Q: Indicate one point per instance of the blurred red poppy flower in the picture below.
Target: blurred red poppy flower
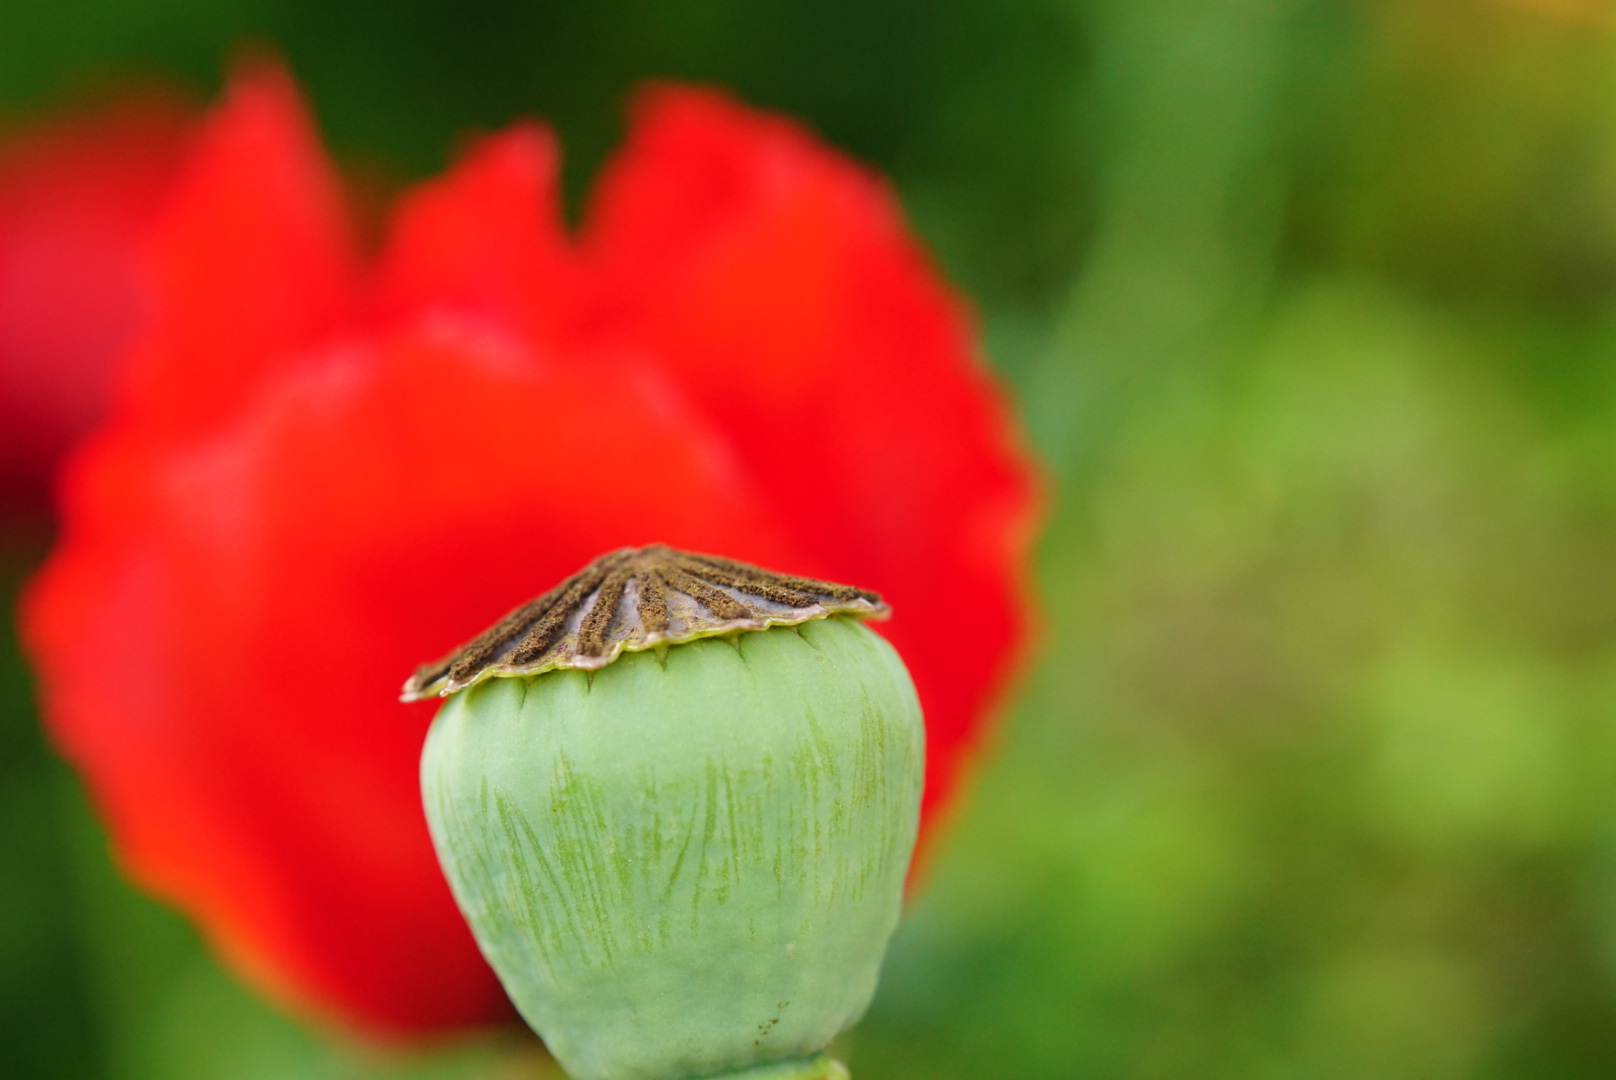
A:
(78, 197)
(322, 470)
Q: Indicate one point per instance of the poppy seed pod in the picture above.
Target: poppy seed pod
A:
(676, 798)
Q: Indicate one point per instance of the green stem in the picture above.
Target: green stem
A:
(818, 1067)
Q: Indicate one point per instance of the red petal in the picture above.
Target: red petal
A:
(77, 199)
(222, 638)
(292, 508)
(775, 281)
(486, 240)
(252, 259)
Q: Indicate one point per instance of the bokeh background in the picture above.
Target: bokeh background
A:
(1309, 307)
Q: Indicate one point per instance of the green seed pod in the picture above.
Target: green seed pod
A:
(676, 798)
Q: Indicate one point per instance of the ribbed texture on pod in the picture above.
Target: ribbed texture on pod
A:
(687, 863)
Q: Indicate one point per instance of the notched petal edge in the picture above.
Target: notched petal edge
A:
(634, 599)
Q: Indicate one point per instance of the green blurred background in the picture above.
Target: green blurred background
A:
(1310, 309)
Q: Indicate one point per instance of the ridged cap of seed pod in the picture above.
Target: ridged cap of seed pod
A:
(634, 599)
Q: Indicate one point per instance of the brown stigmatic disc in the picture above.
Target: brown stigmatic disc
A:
(634, 599)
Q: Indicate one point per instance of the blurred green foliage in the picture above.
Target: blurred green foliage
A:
(1310, 307)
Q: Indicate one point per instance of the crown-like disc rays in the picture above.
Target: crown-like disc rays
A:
(633, 599)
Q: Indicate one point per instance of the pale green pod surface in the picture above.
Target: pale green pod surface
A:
(688, 861)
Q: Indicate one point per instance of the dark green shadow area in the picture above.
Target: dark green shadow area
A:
(48, 1021)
